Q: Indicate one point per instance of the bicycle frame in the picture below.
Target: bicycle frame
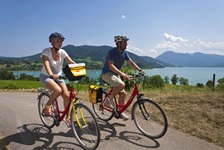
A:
(127, 104)
(72, 99)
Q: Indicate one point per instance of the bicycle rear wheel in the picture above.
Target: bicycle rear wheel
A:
(149, 118)
(48, 121)
(85, 127)
(102, 112)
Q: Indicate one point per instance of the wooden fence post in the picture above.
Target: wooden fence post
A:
(213, 80)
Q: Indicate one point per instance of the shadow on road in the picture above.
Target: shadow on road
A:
(29, 134)
(132, 137)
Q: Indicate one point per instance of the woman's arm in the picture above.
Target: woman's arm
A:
(69, 60)
(46, 63)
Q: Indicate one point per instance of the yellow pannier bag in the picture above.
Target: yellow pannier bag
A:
(75, 71)
(95, 94)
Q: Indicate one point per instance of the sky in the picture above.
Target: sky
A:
(153, 26)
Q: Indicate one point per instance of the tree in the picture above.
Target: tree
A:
(220, 81)
(209, 84)
(6, 75)
(155, 81)
(166, 79)
(174, 79)
(220, 84)
(183, 81)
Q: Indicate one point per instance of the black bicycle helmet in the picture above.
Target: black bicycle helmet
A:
(56, 35)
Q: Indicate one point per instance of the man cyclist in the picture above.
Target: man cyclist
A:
(53, 59)
(111, 71)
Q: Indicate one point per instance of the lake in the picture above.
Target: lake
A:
(193, 74)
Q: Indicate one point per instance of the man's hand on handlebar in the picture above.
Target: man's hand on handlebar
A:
(142, 72)
(125, 76)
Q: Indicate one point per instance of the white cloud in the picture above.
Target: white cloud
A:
(172, 38)
(123, 16)
(182, 45)
(135, 50)
(171, 42)
(210, 45)
(179, 45)
(140, 52)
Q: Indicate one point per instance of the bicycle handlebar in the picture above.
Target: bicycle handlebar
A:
(60, 77)
(140, 74)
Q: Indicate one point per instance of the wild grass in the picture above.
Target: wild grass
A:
(198, 112)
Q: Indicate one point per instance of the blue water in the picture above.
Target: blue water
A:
(193, 74)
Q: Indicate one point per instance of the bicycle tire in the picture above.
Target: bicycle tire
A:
(103, 113)
(48, 121)
(88, 136)
(155, 126)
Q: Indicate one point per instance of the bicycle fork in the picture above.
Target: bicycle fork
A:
(80, 121)
(143, 110)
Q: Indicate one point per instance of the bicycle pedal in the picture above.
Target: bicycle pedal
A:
(57, 123)
(84, 126)
(116, 115)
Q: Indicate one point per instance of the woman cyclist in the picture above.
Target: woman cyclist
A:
(53, 59)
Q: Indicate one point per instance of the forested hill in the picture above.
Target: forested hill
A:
(93, 56)
(97, 55)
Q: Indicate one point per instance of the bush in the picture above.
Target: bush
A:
(183, 81)
(209, 84)
(155, 81)
(24, 76)
(6, 75)
(220, 85)
(200, 85)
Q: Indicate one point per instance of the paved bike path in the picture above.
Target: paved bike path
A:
(21, 128)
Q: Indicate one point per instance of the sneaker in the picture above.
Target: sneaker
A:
(124, 117)
(109, 103)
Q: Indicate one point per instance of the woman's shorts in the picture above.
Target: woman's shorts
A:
(45, 78)
(112, 79)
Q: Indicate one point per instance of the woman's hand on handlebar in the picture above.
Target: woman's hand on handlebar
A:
(55, 76)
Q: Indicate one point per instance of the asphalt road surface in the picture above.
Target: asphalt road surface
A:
(22, 129)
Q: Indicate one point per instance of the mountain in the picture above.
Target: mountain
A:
(192, 60)
(98, 53)
(93, 56)
(157, 62)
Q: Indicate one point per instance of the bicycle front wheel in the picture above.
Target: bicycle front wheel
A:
(48, 121)
(149, 118)
(85, 127)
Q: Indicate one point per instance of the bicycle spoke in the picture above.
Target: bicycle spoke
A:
(149, 118)
(85, 127)
(48, 121)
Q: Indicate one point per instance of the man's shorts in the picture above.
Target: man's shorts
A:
(112, 79)
(45, 78)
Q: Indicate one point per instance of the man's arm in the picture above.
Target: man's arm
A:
(117, 71)
(133, 65)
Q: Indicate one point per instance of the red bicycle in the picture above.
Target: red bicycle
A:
(84, 124)
(148, 116)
